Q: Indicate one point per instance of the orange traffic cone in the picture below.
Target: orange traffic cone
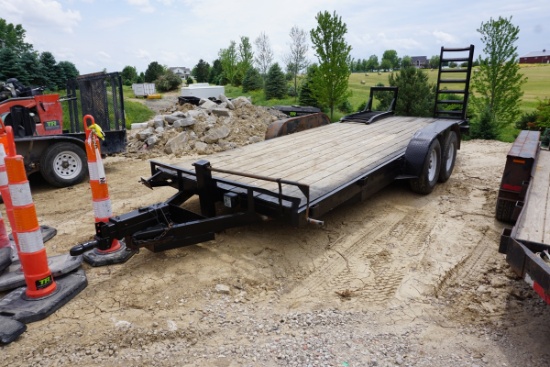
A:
(117, 253)
(42, 295)
(13, 276)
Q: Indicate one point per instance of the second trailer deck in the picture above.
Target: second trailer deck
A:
(534, 223)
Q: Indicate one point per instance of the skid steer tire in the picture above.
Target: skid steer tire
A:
(448, 156)
(429, 175)
(64, 164)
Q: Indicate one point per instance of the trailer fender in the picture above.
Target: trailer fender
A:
(296, 124)
(417, 150)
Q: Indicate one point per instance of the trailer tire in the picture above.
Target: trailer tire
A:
(505, 210)
(63, 164)
(427, 179)
(448, 156)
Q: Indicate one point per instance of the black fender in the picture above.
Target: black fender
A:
(417, 150)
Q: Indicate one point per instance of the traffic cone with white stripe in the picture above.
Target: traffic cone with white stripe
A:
(118, 252)
(7, 251)
(42, 295)
(13, 277)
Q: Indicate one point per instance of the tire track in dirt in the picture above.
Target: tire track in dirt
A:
(474, 284)
(372, 262)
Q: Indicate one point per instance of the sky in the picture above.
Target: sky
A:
(110, 34)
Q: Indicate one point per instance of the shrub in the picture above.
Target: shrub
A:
(527, 120)
(345, 107)
(483, 128)
(167, 82)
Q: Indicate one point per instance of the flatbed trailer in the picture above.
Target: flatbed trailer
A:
(295, 178)
(527, 243)
(306, 168)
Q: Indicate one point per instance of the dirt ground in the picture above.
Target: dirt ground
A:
(400, 274)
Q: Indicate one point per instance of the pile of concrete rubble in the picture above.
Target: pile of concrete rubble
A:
(204, 129)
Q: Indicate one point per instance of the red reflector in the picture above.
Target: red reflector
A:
(545, 296)
(509, 187)
(520, 161)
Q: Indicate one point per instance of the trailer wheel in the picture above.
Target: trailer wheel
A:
(505, 210)
(429, 175)
(63, 164)
(448, 156)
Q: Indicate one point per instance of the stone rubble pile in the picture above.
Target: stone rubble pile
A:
(204, 129)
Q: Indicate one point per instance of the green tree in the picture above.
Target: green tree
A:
(252, 80)
(330, 84)
(13, 36)
(201, 71)
(245, 60)
(297, 58)
(216, 73)
(385, 64)
(31, 66)
(51, 77)
(69, 70)
(406, 62)
(434, 62)
(129, 75)
(497, 83)
(372, 63)
(275, 83)
(391, 56)
(416, 95)
(306, 95)
(228, 58)
(153, 72)
(10, 67)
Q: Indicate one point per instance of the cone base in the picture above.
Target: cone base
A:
(5, 258)
(98, 258)
(10, 329)
(59, 265)
(25, 310)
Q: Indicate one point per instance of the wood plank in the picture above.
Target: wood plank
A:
(338, 157)
(534, 222)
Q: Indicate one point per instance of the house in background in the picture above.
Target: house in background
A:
(181, 71)
(536, 57)
(419, 62)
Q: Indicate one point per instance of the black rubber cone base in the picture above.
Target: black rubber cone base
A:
(5, 258)
(17, 306)
(10, 329)
(97, 258)
(59, 265)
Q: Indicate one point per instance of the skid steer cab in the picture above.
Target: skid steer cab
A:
(54, 147)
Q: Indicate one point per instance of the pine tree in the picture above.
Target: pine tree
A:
(416, 95)
(252, 80)
(275, 84)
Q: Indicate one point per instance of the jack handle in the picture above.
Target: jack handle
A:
(83, 247)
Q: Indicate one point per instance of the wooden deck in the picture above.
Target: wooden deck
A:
(324, 158)
(534, 222)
